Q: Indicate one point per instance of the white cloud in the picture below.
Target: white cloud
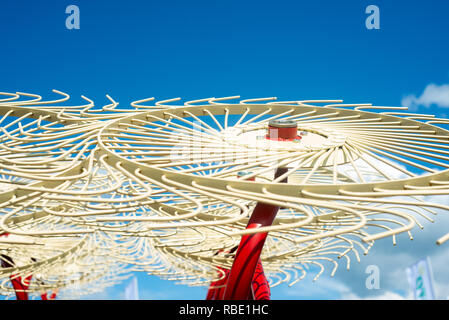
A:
(324, 288)
(432, 94)
(335, 288)
(387, 295)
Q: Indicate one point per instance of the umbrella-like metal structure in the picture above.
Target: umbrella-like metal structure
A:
(339, 168)
(212, 190)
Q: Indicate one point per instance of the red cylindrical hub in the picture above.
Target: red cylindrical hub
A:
(282, 130)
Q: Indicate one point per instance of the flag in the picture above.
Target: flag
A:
(421, 280)
(131, 291)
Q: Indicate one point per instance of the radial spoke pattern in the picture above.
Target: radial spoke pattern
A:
(90, 194)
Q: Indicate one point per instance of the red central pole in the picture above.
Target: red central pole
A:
(19, 284)
(260, 287)
(248, 253)
(247, 258)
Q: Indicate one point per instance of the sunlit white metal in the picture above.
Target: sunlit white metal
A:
(162, 181)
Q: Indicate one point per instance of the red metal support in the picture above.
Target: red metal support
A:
(44, 296)
(248, 253)
(260, 287)
(216, 288)
(19, 284)
(247, 258)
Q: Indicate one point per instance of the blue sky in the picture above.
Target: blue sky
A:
(194, 49)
